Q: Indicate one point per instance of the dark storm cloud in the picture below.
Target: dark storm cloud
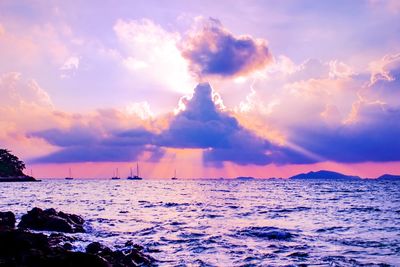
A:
(214, 51)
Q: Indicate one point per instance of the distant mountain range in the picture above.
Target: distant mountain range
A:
(328, 175)
(389, 177)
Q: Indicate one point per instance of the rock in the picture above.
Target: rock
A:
(60, 240)
(138, 247)
(95, 248)
(139, 258)
(7, 219)
(130, 257)
(67, 246)
(18, 247)
(129, 243)
(51, 220)
(21, 248)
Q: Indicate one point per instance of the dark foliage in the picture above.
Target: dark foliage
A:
(10, 165)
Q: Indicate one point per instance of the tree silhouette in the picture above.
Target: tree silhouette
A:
(10, 165)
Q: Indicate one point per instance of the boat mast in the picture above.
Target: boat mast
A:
(117, 173)
(131, 172)
(137, 169)
(175, 173)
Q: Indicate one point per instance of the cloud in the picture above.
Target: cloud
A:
(15, 91)
(69, 67)
(384, 80)
(203, 125)
(29, 46)
(71, 63)
(142, 109)
(341, 114)
(150, 52)
(374, 136)
(340, 117)
(213, 50)
(95, 153)
(75, 136)
(31, 126)
(382, 69)
(88, 144)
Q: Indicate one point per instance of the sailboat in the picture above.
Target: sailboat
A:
(174, 178)
(115, 177)
(135, 177)
(70, 175)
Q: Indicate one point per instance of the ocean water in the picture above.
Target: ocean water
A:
(230, 222)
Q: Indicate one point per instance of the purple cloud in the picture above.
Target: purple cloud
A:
(212, 50)
(374, 136)
(83, 144)
(202, 125)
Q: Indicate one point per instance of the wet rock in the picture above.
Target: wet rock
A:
(96, 247)
(51, 220)
(7, 219)
(58, 239)
(128, 257)
(138, 247)
(67, 246)
(20, 248)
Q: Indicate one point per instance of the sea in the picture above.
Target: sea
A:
(229, 222)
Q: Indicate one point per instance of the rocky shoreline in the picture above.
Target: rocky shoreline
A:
(21, 247)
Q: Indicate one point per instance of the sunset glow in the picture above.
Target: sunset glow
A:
(268, 89)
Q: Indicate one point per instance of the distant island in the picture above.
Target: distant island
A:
(11, 168)
(245, 178)
(323, 174)
(389, 177)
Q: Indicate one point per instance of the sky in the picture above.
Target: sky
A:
(209, 88)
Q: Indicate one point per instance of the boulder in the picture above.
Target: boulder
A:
(20, 248)
(129, 257)
(51, 220)
(7, 219)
